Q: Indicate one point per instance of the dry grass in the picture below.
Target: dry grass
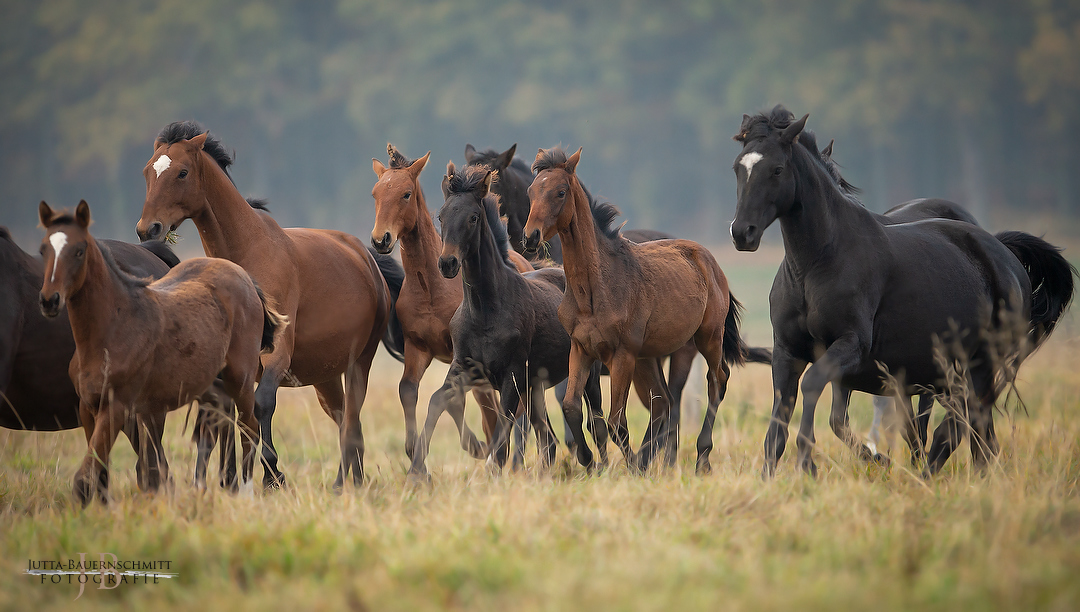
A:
(859, 537)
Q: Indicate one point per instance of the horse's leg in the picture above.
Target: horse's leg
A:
(882, 405)
(717, 373)
(158, 471)
(679, 366)
(947, 437)
(568, 433)
(622, 367)
(451, 391)
(226, 427)
(332, 399)
(922, 420)
(648, 376)
(417, 361)
(983, 440)
(785, 373)
(841, 426)
(841, 356)
(204, 435)
(489, 411)
(265, 405)
(597, 425)
(352, 433)
(582, 375)
(905, 412)
(238, 386)
(92, 478)
(545, 438)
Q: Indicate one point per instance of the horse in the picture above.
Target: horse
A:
(427, 301)
(627, 304)
(506, 332)
(332, 289)
(511, 185)
(36, 392)
(854, 295)
(905, 212)
(145, 348)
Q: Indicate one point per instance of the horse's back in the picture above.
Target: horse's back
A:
(927, 208)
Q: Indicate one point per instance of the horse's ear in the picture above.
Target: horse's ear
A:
(506, 157)
(446, 179)
(827, 151)
(470, 153)
(791, 132)
(199, 141)
(377, 166)
(487, 182)
(418, 165)
(450, 169)
(82, 214)
(45, 214)
(571, 162)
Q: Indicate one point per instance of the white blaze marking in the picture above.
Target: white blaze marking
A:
(162, 164)
(749, 160)
(58, 240)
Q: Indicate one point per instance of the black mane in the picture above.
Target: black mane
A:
(186, 130)
(469, 179)
(603, 212)
(258, 204)
(397, 158)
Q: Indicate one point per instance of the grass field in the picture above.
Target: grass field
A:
(859, 537)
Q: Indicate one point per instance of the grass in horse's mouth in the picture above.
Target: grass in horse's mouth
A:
(172, 237)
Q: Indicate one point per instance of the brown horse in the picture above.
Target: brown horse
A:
(627, 304)
(325, 281)
(145, 348)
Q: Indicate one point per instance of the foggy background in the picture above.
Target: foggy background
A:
(972, 101)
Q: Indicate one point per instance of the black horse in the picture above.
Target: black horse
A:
(906, 212)
(853, 295)
(506, 332)
(36, 392)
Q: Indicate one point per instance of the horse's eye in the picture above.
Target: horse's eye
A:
(42, 250)
(562, 193)
(183, 173)
(79, 253)
(408, 194)
(473, 219)
(778, 170)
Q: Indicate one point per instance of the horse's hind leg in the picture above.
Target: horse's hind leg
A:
(332, 399)
(157, 465)
(238, 384)
(922, 419)
(947, 437)
(227, 444)
(352, 433)
(622, 369)
(716, 375)
(545, 438)
(984, 445)
(451, 391)
(679, 366)
(908, 427)
(568, 430)
(265, 405)
(204, 435)
(840, 357)
(841, 425)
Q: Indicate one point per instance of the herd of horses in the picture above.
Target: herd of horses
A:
(526, 285)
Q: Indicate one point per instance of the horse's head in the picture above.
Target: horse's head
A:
(462, 215)
(395, 193)
(64, 252)
(550, 195)
(765, 175)
(174, 190)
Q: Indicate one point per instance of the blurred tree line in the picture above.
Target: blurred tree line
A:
(975, 101)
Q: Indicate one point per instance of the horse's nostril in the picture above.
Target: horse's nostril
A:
(386, 238)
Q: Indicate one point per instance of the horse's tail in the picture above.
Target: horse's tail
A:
(394, 274)
(1051, 280)
(735, 350)
(161, 249)
(274, 323)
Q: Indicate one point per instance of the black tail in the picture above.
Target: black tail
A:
(758, 354)
(163, 252)
(394, 337)
(273, 323)
(735, 351)
(1051, 280)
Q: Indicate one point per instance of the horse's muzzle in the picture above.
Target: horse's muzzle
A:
(153, 232)
(449, 266)
(383, 245)
(532, 241)
(50, 306)
(745, 237)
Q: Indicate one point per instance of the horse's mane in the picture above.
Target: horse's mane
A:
(186, 130)
(833, 169)
(397, 158)
(469, 179)
(258, 204)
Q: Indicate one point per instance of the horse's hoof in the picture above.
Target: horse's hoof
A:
(703, 468)
(881, 460)
(81, 493)
(274, 481)
(418, 477)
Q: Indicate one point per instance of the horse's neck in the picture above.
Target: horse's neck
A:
(822, 220)
(515, 199)
(484, 274)
(101, 301)
(227, 224)
(421, 246)
(582, 251)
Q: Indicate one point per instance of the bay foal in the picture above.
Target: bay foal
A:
(145, 348)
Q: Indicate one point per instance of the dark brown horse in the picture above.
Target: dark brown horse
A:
(325, 281)
(145, 348)
(627, 304)
(36, 392)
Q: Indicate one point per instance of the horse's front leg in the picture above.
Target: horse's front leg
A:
(92, 478)
(786, 370)
(452, 391)
(622, 366)
(545, 437)
(839, 423)
(583, 377)
(417, 361)
(648, 379)
(841, 357)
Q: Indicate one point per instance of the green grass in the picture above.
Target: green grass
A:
(859, 537)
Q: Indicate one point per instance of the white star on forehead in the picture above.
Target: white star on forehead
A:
(57, 240)
(749, 160)
(162, 164)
